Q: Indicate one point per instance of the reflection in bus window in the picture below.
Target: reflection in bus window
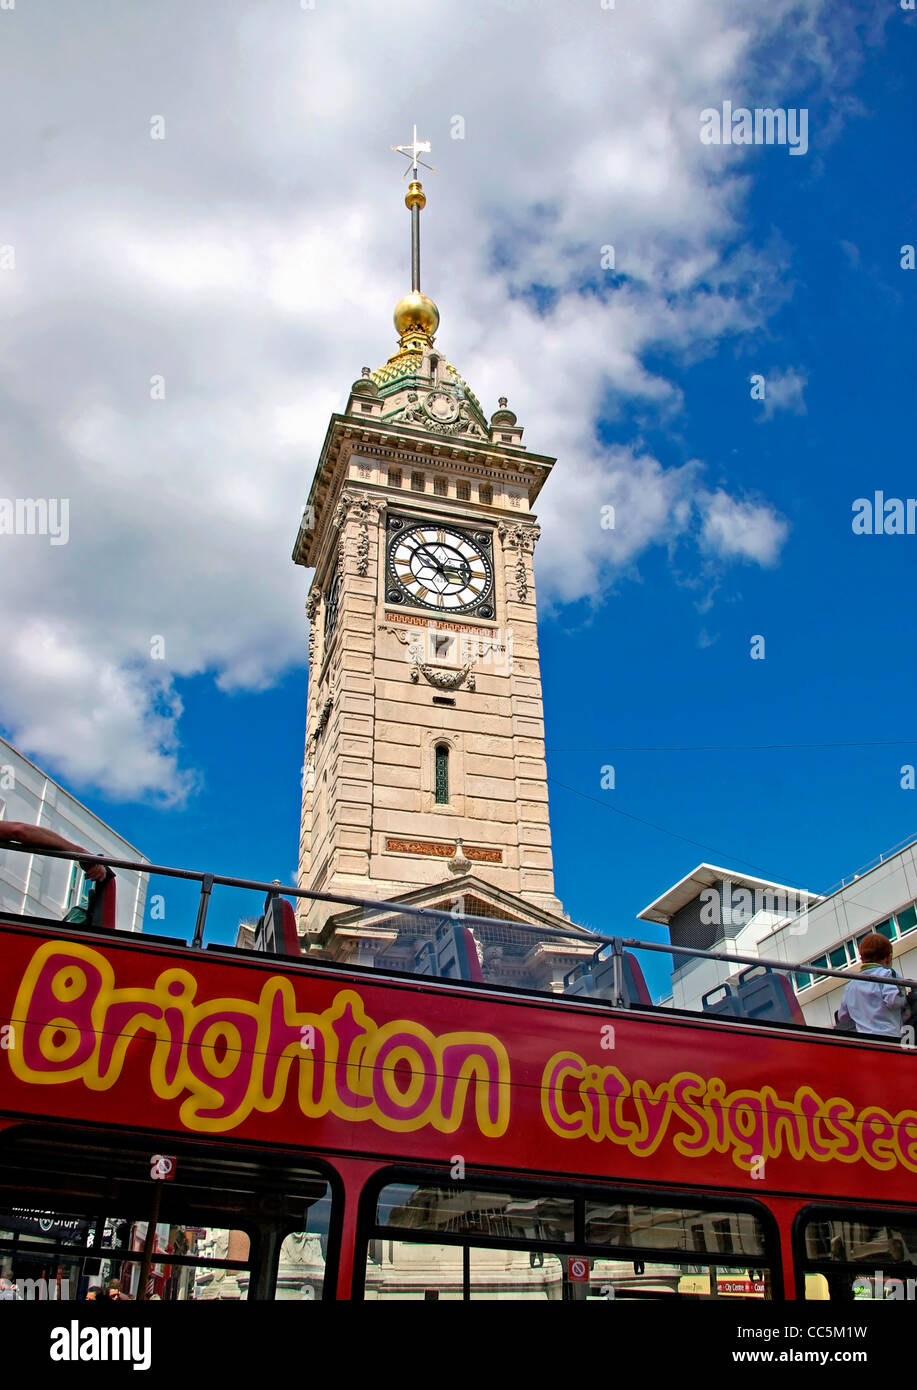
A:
(669, 1228)
(460, 1211)
(33, 1225)
(855, 1256)
(301, 1268)
(407, 1271)
(403, 1270)
(465, 1256)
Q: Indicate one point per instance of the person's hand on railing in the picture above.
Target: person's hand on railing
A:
(20, 832)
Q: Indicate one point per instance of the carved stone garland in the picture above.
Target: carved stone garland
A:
(323, 717)
(312, 603)
(441, 680)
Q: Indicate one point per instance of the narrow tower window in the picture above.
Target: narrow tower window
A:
(442, 775)
(418, 482)
(486, 494)
(441, 487)
(394, 477)
(463, 491)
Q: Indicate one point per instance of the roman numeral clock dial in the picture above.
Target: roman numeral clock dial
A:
(440, 567)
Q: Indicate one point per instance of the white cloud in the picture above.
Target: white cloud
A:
(742, 530)
(784, 390)
(253, 258)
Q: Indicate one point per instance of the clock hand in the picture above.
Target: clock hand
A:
(431, 558)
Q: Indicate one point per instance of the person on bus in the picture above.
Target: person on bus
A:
(873, 1006)
(15, 832)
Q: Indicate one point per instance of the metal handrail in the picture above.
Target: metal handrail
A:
(385, 907)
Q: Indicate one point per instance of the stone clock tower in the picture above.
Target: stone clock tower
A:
(424, 775)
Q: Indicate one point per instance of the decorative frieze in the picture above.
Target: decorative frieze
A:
(439, 850)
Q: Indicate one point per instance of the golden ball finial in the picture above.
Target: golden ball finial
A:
(415, 196)
(416, 316)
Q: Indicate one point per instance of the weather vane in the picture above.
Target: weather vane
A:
(411, 152)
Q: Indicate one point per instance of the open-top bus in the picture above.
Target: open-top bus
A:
(228, 1124)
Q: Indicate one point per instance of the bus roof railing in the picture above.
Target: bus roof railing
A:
(382, 906)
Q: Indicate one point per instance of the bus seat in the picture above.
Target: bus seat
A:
(765, 993)
(635, 984)
(275, 932)
(721, 1000)
(102, 904)
(595, 979)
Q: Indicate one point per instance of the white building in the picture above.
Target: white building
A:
(881, 898)
(718, 910)
(41, 887)
(714, 909)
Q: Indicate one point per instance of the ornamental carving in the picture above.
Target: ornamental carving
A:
(521, 538)
(368, 511)
(363, 550)
(436, 676)
(444, 680)
(519, 535)
(323, 716)
(312, 603)
(415, 414)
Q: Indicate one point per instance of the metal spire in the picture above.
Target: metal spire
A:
(415, 198)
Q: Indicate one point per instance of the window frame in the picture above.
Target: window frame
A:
(555, 1185)
(828, 1211)
(441, 759)
(190, 1200)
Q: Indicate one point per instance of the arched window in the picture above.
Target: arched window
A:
(442, 774)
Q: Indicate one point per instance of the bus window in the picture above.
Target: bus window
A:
(859, 1255)
(301, 1267)
(461, 1212)
(77, 1215)
(672, 1228)
(409, 1271)
(483, 1243)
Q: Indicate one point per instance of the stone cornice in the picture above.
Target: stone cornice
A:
(346, 436)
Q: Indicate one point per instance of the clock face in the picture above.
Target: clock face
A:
(439, 567)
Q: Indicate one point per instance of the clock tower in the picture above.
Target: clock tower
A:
(424, 776)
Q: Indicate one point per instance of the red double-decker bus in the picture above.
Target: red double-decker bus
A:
(206, 1122)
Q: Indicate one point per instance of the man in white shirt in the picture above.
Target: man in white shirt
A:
(873, 1007)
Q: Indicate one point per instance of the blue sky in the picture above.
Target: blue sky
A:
(655, 651)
